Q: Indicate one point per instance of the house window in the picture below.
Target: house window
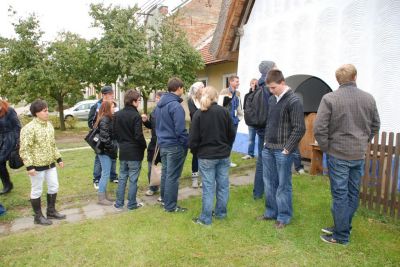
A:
(225, 80)
(204, 80)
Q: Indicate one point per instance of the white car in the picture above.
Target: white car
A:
(80, 110)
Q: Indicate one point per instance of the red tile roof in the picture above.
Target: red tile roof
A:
(206, 55)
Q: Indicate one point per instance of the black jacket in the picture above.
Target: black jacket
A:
(93, 113)
(192, 108)
(211, 133)
(10, 128)
(108, 143)
(129, 134)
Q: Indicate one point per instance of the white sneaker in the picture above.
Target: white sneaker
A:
(149, 192)
(247, 157)
(195, 174)
(96, 185)
(233, 165)
(195, 183)
(301, 171)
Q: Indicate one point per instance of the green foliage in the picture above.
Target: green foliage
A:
(71, 123)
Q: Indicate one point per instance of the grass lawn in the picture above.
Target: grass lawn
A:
(151, 237)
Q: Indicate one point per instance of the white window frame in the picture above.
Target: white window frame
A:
(201, 79)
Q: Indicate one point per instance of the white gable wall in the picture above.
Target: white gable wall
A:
(316, 37)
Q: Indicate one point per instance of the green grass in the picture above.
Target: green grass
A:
(151, 237)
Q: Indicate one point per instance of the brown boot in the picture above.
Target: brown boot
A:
(102, 200)
(37, 209)
(52, 213)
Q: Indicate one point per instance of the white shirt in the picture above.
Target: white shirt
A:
(281, 95)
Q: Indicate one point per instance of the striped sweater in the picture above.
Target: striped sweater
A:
(285, 124)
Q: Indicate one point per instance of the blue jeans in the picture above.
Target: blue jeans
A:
(97, 170)
(345, 179)
(297, 160)
(105, 162)
(278, 184)
(258, 190)
(131, 170)
(153, 188)
(252, 140)
(172, 159)
(214, 172)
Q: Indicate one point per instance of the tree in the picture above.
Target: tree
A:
(31, 69)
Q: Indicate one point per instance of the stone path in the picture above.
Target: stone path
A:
(94, 211)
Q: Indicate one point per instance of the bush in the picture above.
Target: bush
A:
(55, 120)
(70, 122)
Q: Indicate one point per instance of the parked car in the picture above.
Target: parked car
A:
(80, 110)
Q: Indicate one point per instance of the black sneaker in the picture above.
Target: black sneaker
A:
(328, 230)
(177, 209)
(330, 240)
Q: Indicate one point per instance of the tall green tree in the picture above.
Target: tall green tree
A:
(31, 69)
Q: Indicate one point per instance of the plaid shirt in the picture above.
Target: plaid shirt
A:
(285, 124)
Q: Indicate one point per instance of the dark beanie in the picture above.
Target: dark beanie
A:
(106, 89)
(265, 66)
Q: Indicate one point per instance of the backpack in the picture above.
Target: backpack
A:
(256, 108)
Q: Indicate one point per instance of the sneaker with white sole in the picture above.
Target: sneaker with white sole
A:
(115, 181)
(149, 193)
(328, 230)
(96, 185)
(301, 171)
(116, 208)
(247, 157)
(138, 205)
(233, 165)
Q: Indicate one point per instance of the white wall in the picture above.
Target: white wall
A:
(316, 37)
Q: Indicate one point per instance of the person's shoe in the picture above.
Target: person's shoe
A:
(195, 183)
(233, 165)
(7, 188)
(301, 171)
(52, 213)
(247, 157)
(138, 205)
(161, 201)
(195, 174)
(96, 185)
(263, 218)
(116, 208)
(149, 193)
(115, 181)
(177, 209)
(198, 221)
(330, 240)
(102, 200)
(328, 230)
(279, 225)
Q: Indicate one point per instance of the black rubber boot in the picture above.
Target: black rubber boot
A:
(37, 208)
(51, 208)
(7, 185)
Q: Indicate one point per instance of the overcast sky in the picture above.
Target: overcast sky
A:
(61, 15)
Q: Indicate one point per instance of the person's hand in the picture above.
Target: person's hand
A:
(284, 151)
(32, 172)
(144, 117)
(61, 164)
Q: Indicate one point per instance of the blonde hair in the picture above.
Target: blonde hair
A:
(346, 73)
(195, 90)
(209, 96)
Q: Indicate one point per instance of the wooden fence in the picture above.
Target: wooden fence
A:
(380, 183)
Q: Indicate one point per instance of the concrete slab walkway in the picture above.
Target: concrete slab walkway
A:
(95, 211)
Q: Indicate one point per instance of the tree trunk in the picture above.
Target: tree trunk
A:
(60, 103)
(145, 98)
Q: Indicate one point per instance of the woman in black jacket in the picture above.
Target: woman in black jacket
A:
(108, 147)
(10, 128)
(211, 138)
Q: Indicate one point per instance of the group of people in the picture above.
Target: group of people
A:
(347, 119)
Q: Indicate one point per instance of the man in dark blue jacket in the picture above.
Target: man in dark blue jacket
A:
(172, 138)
